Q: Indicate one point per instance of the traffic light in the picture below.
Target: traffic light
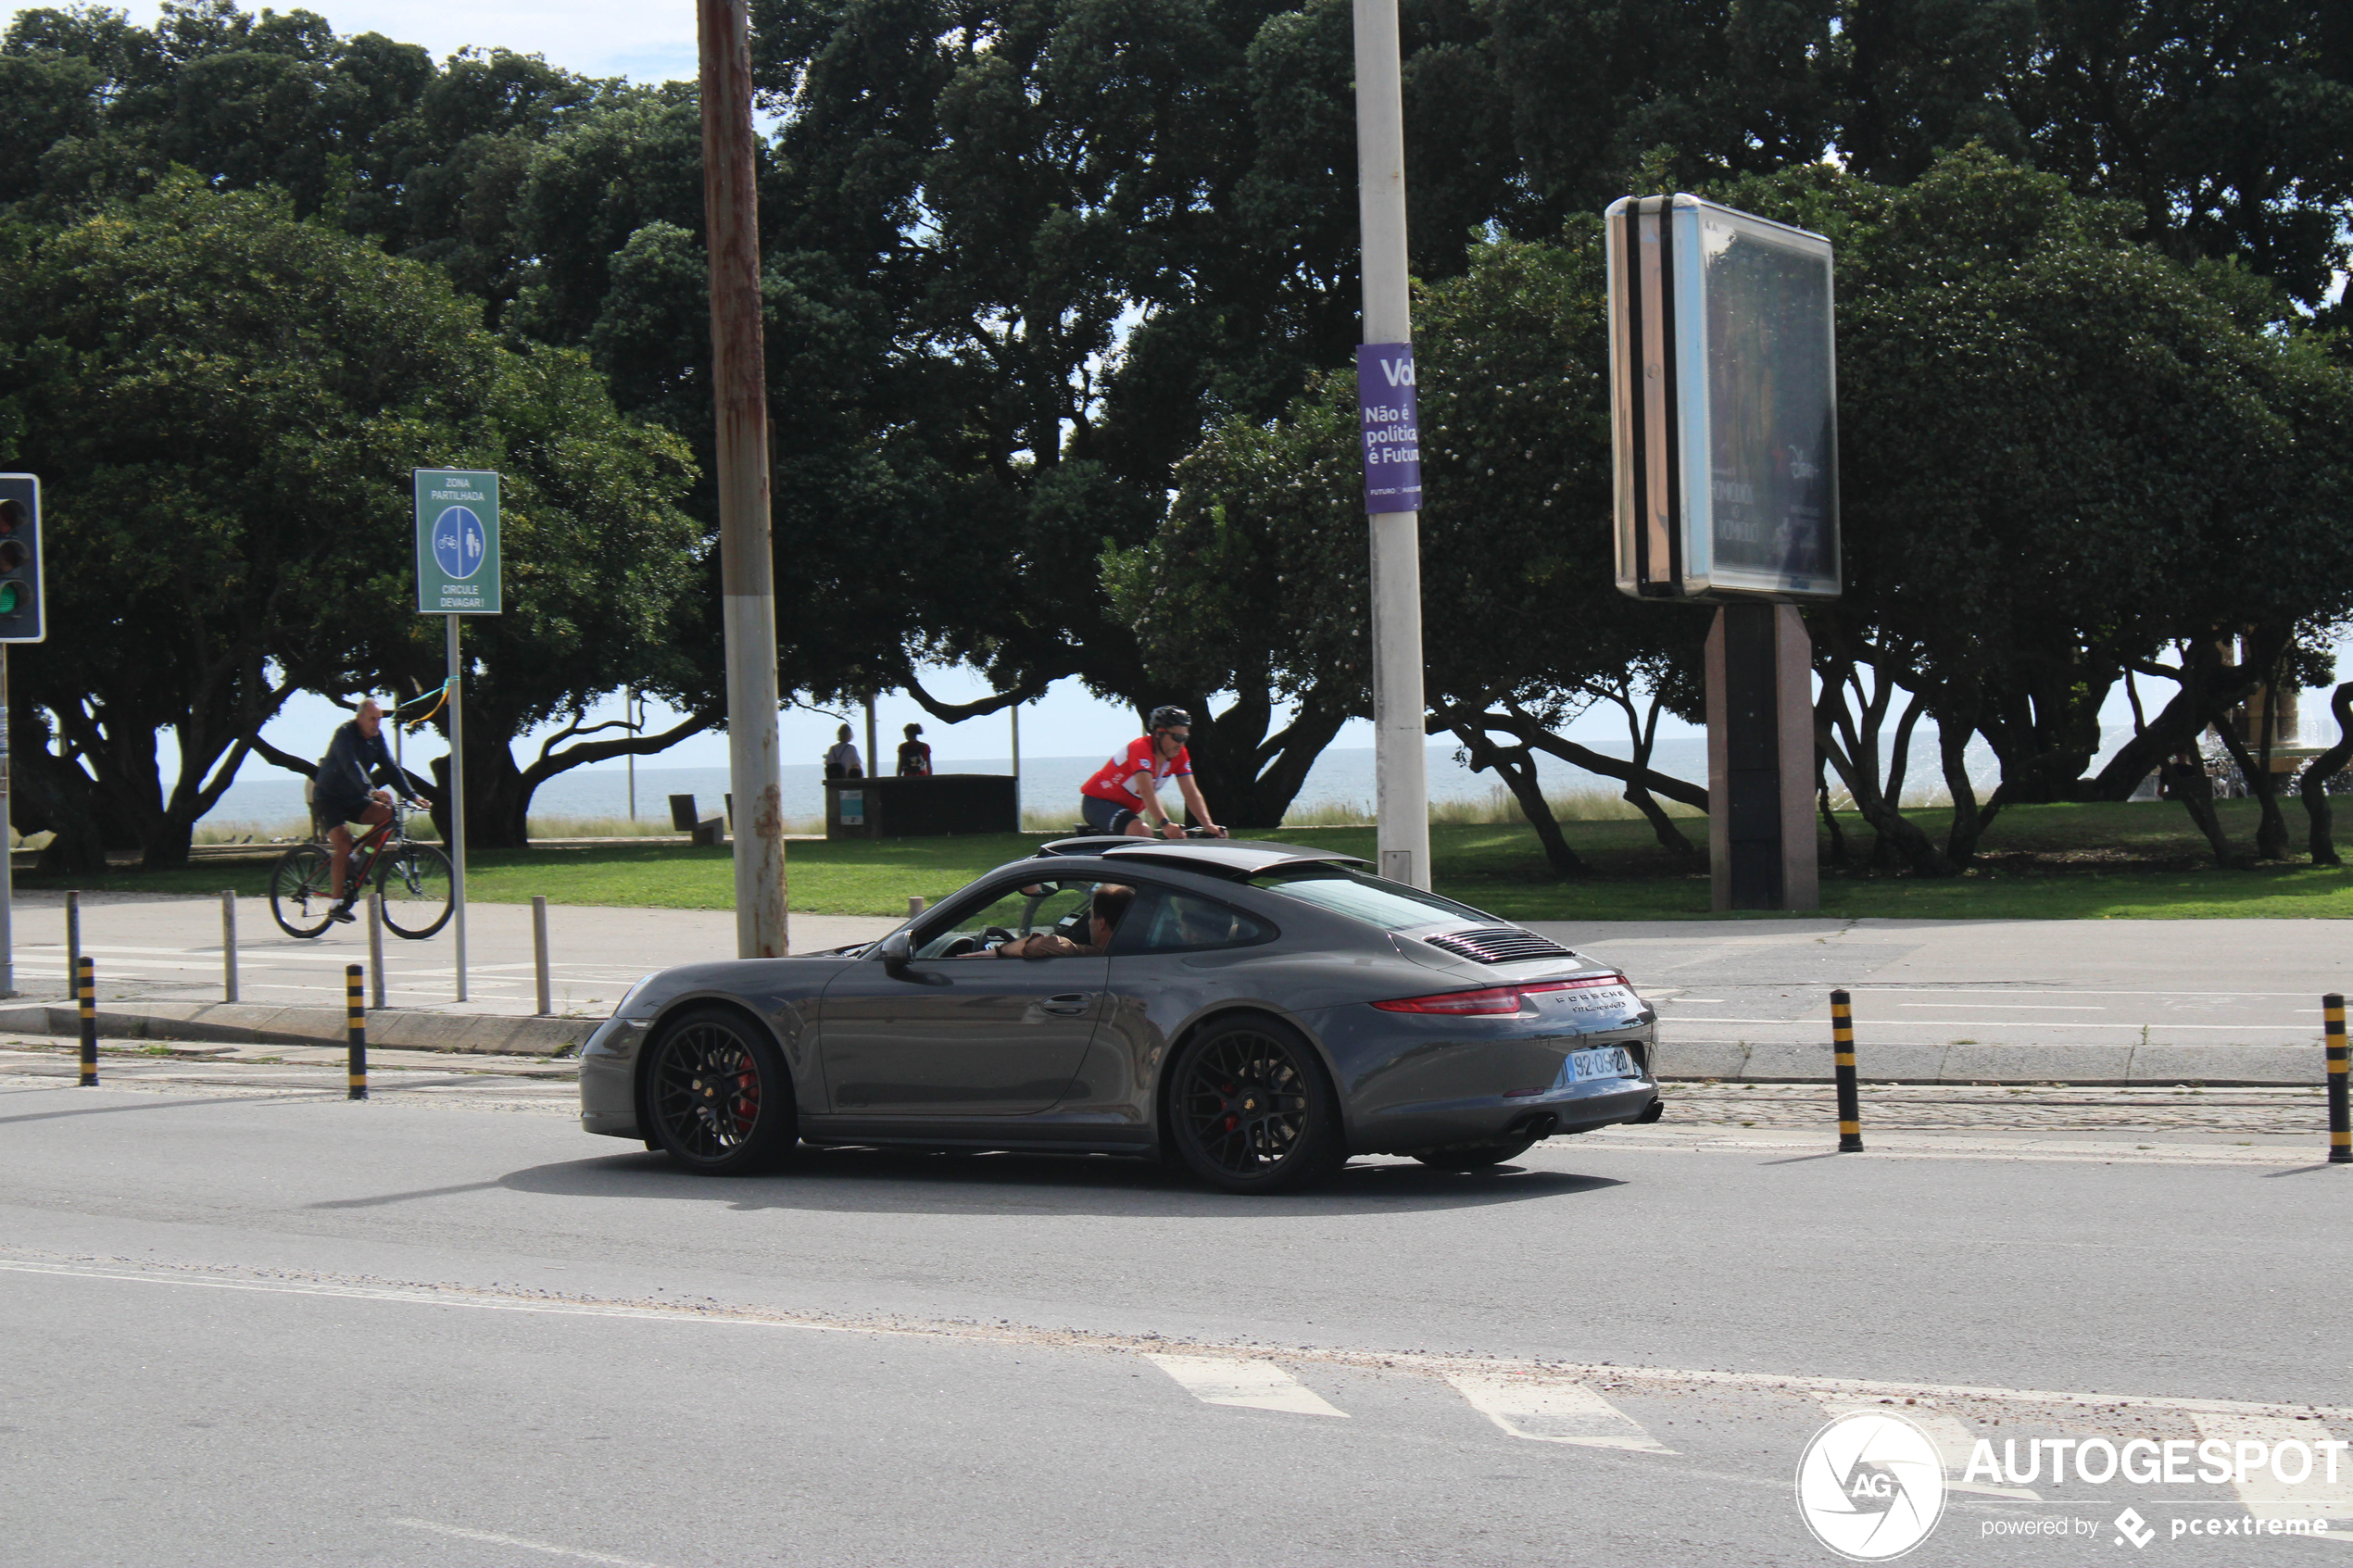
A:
(21, 616)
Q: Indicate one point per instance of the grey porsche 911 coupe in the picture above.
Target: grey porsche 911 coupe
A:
(1255, 1011)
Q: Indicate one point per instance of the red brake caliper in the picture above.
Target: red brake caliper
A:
(746, 1101)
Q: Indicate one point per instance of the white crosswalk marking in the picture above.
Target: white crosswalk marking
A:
(1229, 1380)
(1552, 1412)
(1952, 1439)
(2265, 1495)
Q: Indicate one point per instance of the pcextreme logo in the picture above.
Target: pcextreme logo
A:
(1870, 1486)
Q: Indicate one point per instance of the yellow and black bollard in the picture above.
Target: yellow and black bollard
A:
(1850, 1106)
(354, 1024)
(85, 995)
(2340, 1120)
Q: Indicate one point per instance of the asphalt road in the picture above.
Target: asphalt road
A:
(253, 1324)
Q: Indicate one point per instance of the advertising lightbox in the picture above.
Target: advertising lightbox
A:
(1723, 402)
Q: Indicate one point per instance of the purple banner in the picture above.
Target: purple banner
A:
(1388, 427)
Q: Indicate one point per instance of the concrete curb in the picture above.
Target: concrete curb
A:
(254, 1024)
(2118, 1066)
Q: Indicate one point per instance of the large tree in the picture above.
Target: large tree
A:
(224, 405)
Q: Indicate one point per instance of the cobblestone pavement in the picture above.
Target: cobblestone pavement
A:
(482, 1083)
(539, 1083)
(2034, 1108)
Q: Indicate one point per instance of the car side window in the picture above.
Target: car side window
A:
(1164, 921)
(1018, 910)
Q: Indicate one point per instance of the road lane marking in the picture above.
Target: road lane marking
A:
(433, 1296)
(2265, 1495)
(1953, 1444)
(1228, 1380)
(25, 1261)
(1550, 1412)
(493, 1538)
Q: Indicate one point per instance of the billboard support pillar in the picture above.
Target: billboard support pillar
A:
(1760, 761)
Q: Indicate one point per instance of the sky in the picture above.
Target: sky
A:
(645, 40)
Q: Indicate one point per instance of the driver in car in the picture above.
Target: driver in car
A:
(1109, 902)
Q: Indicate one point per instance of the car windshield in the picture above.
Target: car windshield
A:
(1391, 905)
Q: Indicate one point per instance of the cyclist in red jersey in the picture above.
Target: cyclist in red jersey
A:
(1124, 796)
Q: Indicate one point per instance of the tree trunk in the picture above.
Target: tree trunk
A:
(2317, 773)
(2196, 792)
(1970, 822)
(1517, 767)
(1249, 776)
(50, 793)
(1643, 736)
(1829, 818)
(1859, 773)
(2271, 832)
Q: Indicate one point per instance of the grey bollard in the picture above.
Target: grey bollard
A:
(228, 943)
(539, 950)
(73, 942)
(914, 904)
(376, 949)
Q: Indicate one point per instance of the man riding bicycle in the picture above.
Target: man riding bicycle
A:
(356, 758)
(1124, 796)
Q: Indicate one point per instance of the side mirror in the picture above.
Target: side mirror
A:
(896, 950)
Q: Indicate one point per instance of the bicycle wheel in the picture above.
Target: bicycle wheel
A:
(415, 884)
(300, 892)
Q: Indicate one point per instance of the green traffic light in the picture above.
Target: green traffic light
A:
(11, 597)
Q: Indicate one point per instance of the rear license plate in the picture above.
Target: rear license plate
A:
(1607, 1061)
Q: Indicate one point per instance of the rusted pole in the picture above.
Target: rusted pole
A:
(731, 209)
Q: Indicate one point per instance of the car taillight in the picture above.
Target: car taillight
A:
(1494, 1000)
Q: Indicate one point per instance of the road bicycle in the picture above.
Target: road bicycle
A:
(413, 878)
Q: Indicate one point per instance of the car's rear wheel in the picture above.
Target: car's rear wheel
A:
(1474, 1156)
(718, 1096)
(1252, 1108)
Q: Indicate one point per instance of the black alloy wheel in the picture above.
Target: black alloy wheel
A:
(1474, 1156)
(718, 1094)
(1252, 1109)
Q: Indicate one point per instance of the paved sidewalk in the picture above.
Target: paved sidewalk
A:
(157, 948)
(2141, 1002)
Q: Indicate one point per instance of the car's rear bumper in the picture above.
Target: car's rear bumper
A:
(1409, 1129)
(1409, 1082)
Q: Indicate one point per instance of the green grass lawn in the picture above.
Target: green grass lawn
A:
(2132, 861)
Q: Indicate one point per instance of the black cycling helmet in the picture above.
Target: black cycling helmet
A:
(1167, 716)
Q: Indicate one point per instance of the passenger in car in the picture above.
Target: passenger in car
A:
(1109, 902)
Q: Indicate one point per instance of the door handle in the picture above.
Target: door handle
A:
(1069, 1002)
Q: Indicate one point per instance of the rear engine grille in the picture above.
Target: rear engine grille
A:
(1498, 943)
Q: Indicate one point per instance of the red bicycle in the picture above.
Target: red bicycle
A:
(414, 879)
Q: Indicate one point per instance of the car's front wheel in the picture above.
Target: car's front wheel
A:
(1252, 1108)
(719, 1096)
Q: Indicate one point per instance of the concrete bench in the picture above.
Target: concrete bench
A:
(683, 817)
